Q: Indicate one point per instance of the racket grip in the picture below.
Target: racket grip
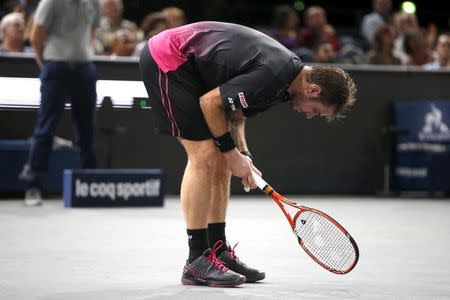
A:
(259, 181)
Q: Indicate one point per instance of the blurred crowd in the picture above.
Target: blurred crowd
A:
(384, 37)
(115, 36)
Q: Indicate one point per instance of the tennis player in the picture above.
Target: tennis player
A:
(203, 80)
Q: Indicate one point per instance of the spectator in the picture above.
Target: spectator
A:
(152, 24)
(324, 53)
(61, 35)
(124, 42)
(382, 52)
(285, 21)
(12, 29)
(442, 53)
(380, 15)
(317, 30)
(403, 23)
(416, 47)
(432, 33)
(25, 7)
(175, 16)
(112, 21)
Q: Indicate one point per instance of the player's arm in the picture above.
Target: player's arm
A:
(38, 37)
(216, 119)
(237, 120)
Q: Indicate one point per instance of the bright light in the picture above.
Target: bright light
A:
(409, 7)
(13, 93)
(299, 5)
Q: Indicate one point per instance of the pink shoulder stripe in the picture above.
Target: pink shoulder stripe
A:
(165, 49)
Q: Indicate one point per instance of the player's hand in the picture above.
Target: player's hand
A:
(241, 166)
(255, 171)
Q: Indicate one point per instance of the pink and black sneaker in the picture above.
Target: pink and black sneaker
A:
(229, 259)
(208, 270)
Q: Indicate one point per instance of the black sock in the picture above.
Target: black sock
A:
(216, 232)
(198, 242)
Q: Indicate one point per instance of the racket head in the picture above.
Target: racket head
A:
(325, 240)
(322, 237)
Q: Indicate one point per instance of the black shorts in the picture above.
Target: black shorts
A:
(174, 99)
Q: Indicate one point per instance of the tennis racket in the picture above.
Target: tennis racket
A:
(322, 237)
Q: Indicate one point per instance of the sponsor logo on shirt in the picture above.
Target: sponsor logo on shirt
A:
(231, 102)
(243, 100)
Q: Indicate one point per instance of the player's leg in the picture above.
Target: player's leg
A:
(176, 111)
(195, 193)
(220, 190)
(220, 194)
(202, 266)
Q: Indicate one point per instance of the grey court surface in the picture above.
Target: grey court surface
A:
(53, 253)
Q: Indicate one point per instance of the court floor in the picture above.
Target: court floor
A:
(53, 253)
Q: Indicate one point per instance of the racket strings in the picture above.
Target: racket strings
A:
(331, 246)
(325, 241)
(328, 249)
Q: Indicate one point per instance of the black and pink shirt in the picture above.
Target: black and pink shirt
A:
(251, 69)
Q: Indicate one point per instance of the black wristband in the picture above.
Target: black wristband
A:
(225, 142)
(247, 153)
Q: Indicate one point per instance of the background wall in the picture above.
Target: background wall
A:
(296, 155)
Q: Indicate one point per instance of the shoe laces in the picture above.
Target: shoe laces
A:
(212, 258)
(232, 253)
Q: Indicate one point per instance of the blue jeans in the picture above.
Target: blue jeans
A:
(61, 81)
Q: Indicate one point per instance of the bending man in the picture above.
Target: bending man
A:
(203, 80)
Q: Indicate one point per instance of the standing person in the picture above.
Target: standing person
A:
(381, 14)
(203, 80)
(62, 36)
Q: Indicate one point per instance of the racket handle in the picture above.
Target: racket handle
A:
(259, 181)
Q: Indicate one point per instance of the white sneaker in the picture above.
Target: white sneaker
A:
(33, 197)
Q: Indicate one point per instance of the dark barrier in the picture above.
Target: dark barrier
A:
(113, 188)
(296, 155)
(421, 157)
(14, 155)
